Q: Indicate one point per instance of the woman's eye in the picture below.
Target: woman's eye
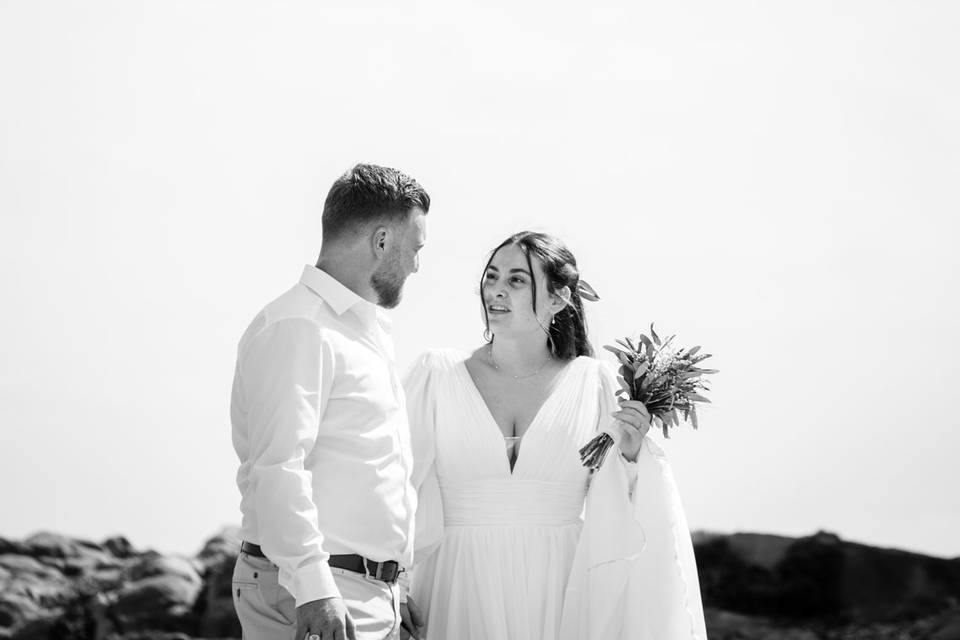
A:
(489, 276)
(517, 280)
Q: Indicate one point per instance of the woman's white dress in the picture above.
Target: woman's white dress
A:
(520, 555)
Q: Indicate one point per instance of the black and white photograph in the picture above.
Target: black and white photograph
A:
(479, 321)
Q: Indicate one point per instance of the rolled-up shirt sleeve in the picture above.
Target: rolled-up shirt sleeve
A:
(285, 377)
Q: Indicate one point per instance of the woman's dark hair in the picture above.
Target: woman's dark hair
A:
(568, 332)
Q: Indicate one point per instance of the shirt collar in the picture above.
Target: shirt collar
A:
(385, 322)
(334, 293)
(340, 298)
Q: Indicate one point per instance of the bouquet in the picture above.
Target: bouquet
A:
(665, 378)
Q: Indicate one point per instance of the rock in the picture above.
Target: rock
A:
(760, 550)
(159, 593)
(58, 587)
(12, 547)
(218, 617)
(119, 547)
(822, 578)
(21, 565)
(58, 546)
(152, 564)
(225, 544)
(28, 578)
(153, 635)
(947, 627)
(17, 610)
(162, 602)
(726, 625)
(755, 587)
(218, 556)
(39, 628)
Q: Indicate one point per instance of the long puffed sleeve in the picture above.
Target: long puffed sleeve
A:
(634, 574)
(420, 387)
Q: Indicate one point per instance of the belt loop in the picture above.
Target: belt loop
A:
(377, 573)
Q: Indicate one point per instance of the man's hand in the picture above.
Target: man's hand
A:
(634, 422)
(327, 618)
(411, 625)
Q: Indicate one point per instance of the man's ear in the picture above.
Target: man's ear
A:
(379, 241)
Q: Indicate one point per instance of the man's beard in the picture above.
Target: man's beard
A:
(388, 284)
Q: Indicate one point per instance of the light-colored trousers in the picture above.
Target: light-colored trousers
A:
(267, 611)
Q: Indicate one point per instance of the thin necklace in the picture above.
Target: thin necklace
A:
(493, 361)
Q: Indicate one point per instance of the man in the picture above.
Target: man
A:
(320, 427)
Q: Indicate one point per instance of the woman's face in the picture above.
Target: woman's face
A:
(507, 293)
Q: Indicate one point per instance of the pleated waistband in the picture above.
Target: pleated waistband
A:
(512, 502)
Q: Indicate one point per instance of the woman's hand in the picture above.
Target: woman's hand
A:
(411, 625)
(633, 420)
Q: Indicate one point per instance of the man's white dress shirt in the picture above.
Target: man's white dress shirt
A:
(320, 427)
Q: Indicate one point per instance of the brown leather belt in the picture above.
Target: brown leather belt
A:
(384, 571)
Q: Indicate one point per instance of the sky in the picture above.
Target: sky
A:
(774, 181)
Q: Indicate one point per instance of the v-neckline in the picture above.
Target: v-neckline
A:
(478, 397)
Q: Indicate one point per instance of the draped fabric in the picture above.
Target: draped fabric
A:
(545, 551)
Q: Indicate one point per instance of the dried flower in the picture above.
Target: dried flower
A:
(664, 377)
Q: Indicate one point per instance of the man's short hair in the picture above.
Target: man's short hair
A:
(367, 194)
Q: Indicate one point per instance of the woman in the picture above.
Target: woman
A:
(502, 548)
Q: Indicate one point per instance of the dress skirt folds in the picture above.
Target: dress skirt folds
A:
(544, 550)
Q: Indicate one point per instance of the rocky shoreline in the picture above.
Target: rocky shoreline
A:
(56, 587)
(755, 587)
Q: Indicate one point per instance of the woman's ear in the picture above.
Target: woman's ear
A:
(560, 299)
